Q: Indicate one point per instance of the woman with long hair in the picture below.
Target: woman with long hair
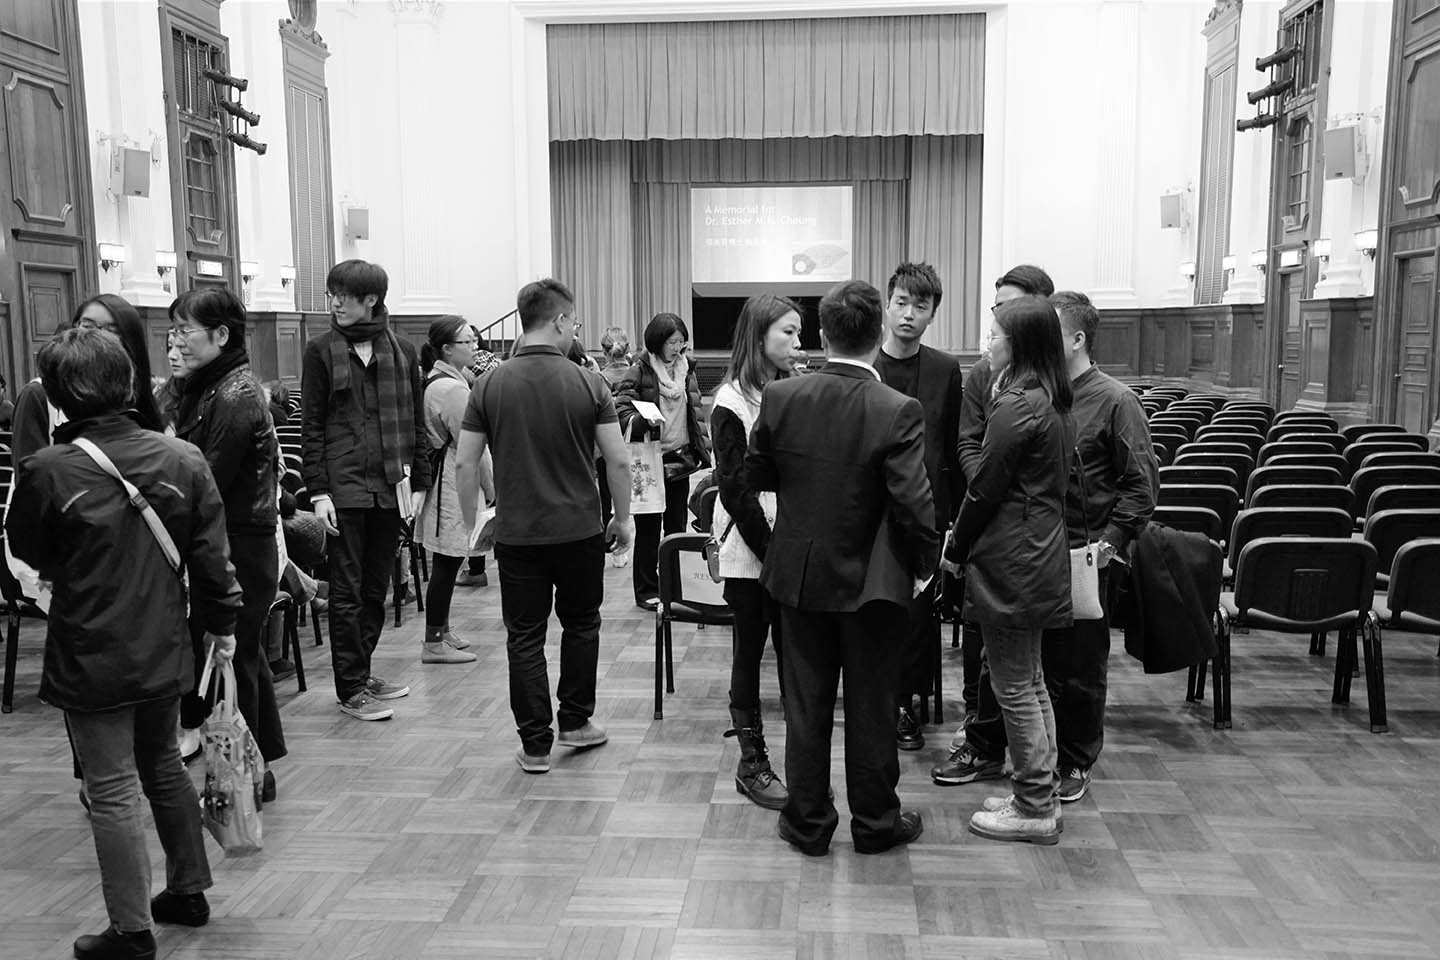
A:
(767, 336)
(224, 412)
(1010, 537)
(662, 375)
(440, 528)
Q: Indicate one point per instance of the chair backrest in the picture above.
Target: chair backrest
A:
(1211, 429)
(1356, 431)
(1390, 530)
(1180, 421)
(1256, 522)
(1195, 473)
(1259, 406)
(1302, 495)
(1305, 584)
(1331, 460)
(1214, 446)
(1287, 447)
(1413, 575)
(705, 515)
(1198, 455)
(1369, 479)
(1193, 519)
(1293, 428)
(1357, 452)
(1186, 407)
(1247, 418)
(1401, 497)
(1268, 476)
(1252, 442)
(685, 577)
(1165, 450)
(1221, 499)
(1306, 416)
(1401, 458)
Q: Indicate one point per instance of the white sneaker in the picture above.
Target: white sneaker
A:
(996, 804)
(1008, 823)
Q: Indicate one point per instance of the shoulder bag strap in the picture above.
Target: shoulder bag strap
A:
(137, 500)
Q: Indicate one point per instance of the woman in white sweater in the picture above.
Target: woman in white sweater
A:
(767, 335)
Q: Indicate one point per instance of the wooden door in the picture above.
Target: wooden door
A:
(1415, 323)
(47, 251)
(1290, 288)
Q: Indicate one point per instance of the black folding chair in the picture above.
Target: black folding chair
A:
(1223, 500)
(1412, 603)
(1302, 495)
(1302, 585)
(1285, 448)
(1369, 479)
(1269, 476)
(1361, 450)
(285, 605)
(1256, 523)
(1194, 473)
(1390, 530)
(1252, 442)
(1225, 428)
(1401, 497)
(1250, 421)
(1358, 431)
(1293, 428)
(687, 595)
(1199, 455)
(1331, 461)
(1401, 458)
(1306, 416)
(1191, 519)
(406, 545)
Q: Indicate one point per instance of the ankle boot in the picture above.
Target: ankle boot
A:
(114, 945)
(754, 777)
(457, 642)
(436, 650)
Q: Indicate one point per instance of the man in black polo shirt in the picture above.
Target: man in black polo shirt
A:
(544, 417)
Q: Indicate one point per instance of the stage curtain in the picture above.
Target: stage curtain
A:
(758, 79)
(786, 160)
(662, 253)
(590, 211)
(944, 229)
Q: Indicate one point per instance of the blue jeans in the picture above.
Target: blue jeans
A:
(114, 746)
(1018, 680)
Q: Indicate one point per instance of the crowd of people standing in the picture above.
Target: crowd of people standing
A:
(848, 502)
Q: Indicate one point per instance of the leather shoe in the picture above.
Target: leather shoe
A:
(811, 848)
(114, 945)
(908, 733)
(908, 827)
(185, 909)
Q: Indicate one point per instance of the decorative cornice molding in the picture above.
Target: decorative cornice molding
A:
(291, 29)
(1223, 7)
(416, 11)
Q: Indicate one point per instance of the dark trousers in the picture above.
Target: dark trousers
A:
(257, 570)
(756, 615)
(361, 559)
(921, 647)
(443, 571)
(970, 665)
(647, 537)
(1075, 661)
(818, 648)
(572, 576)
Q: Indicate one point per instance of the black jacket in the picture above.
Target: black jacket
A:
(1168, 605)
(974, 414)
(117, 632)
(224, 413)
(1011, 524)
(1121, 475)
(340, 434)
(641, 383)
(938, 387)
(855, 517)
(727, 432)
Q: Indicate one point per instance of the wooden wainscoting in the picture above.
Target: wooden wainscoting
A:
(1214, 348)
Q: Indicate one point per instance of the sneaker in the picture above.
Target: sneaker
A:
(382, 689)
(649, 603)
(590, 735)
(1010, 824)
(443, 653)
(996, 804)
(908, 735)
(459, 643)
(964, 766)
(467, 579)
(364, 706)
(532, 763)
(185, 909)
(1074, 783)
(958, 741)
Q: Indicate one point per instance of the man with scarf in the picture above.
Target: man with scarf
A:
(363, 435)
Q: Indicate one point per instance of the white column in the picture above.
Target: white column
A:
(1118, 62)
(425, 277)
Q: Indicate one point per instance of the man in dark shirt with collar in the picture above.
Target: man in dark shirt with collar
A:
(544, 417)
(932, 377)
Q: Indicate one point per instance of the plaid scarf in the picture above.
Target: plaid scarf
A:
(396, 398)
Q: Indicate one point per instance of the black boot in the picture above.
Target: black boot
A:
(187, 909)
(909, 735)
(114, 945)
(753, 777)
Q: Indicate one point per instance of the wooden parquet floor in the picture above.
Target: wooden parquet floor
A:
(1296, 834)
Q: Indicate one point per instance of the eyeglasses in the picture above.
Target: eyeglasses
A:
(998, 336)
(181, 334)
(89, 323)
(575, 322)
(465, 343)
(338, 299)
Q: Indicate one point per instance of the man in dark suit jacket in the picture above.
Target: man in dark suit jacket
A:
(932, 377)
(854, 540)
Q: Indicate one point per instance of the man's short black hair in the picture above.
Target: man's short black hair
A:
(1078, 313)
(359, 278)
(919, 280)
(1028, 279)
(851, 317)
(87, 373)
(543, 301)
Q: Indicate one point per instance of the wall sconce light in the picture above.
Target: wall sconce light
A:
(1228, 263)
(1291, 257)
(287, 276)
(1259, 259)
(1321, 249)
(1367, 242)
(210, 268)
(249, 270)
(165, 263)
(111, 255)
(1187, 270)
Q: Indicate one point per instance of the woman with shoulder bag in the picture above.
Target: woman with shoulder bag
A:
(662, 375)
(440, 527)
(766, 337)
(1010, 536)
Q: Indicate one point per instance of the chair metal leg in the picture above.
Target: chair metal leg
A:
(398, 571)
(955, 637)
(292, 640)
(315, 620)
(1222, 677)
(1195, 689)
(1375, 676)
(939, 688)
(669, 658)
(1344, 664)
(659, 665)
(425, 566)
(12, 653)
(1317, 643)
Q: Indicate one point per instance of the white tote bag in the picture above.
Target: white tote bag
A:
(647, 477)
(1085, 564)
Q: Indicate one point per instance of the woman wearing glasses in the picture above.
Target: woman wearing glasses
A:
(440, 526)
(223, 411)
